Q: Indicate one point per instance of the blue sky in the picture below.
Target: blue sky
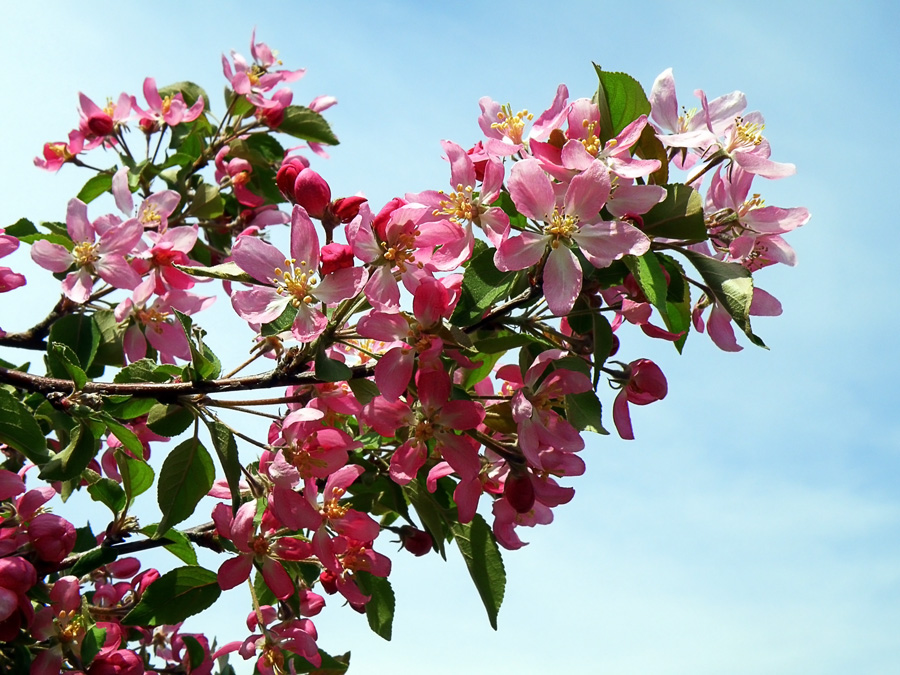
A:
(753, 525)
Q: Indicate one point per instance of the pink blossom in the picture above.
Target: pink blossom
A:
(171, 110)
(645, 384)
(256, 77)
(98, 125)
(238, 173)
(105, 258)
(9, 280)
(55, 155)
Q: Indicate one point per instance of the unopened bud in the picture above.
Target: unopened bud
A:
(328, 581)
(519, 491)
(287, 175)
(334, 257)
(312, 192)
(101, 124)
(346, 209)
(414, 540)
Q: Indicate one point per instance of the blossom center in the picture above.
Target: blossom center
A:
(511, 125)
(61, 151)
(166, 104)
(458, 205)
(748, 133)
(85, 254)
(560, 226)
(402, 252)
(295, 281)
(591, 142)
(260, 546)
(684, 119)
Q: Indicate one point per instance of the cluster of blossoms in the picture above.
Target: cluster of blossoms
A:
(438, 356)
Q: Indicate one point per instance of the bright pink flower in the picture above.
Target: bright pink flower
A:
(505, 130)
(297, 636)
(575, 219)
(57, 154)
(9, 280)
(238, 173)
(17, 576)
(256, 77)
(153, 212)
(98, 125)
(157, 325)
(171, 110)
(105, 258)
(646, 384)
(292, 280)
(52, 537)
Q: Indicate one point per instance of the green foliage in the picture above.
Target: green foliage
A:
(175, 596)
(184, 479)
(306, 125)
(621, 100)
(678, 216)
(227, 451)
(479, 549)
(74, 458)
(95, 187)
(380, 609)
(483, 285)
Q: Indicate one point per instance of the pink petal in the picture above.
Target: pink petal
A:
(562, 280)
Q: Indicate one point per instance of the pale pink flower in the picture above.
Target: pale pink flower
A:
(257, 77)
(171, 110)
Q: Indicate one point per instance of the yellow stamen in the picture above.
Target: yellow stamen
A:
(511, 125)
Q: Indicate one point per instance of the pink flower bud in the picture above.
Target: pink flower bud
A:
(328, 581)
(101, 124)
(287, 175)
(335, 256)
(414, 540)
(346, 209)
(119, 662)
(312, 192)
(519, 491)
(310, 603)
(379, 223)
(52, 537)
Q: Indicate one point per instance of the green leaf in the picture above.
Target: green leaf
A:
(603, 344)
(476, 543)
(186, 476)
(678, 216)
(621, 100)
(169, 419)
(110, 351)
(144, 370)
(175, 596)
(330, 370)
(102, 555)
(429, 512)
(74, 458)
(283, 323)
(331, 665)
(307, 125)
(380, 608)
(732, 287)
(196, 652)
(483, 285)
(137, 475)
(21, 228)
(189, 91)
(678, 300)
(125, 435)
(207, 203)
(240, 107)
(228, 271)
(63, 362)
(92, 643)
(181, 547)
(649, 275)
(205, 364)
(583, 411)
(95, 187)
(80, 333)
(227, 451)
(107, 491)
(363, 389)
(650, 147)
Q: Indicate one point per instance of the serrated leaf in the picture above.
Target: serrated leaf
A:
(621, 100)
(186, 476)
(169, 420)
(80, 333)
(21, 228)
(479, 549)
(363, 389)
(109, 492)
(650, 147)
(125, 435)
(95, 187)
(63, 362)
(483, 285)
(228, 271)
(196, 652)
(380, 608)
(648, 273)
(205, 364)
(732, 287)
(175, 596)
(207, 203)
(227, 451)
(307, 125)
(137, 475)
(678, 216)
(181, 547)
(282, 324)
(74, 458)
(102, 555)
(92, 643)
(583, 411)
(331, 370)
(110, 351)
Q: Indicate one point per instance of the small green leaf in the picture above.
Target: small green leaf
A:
(110, 351)
(603, 344)
(175, 596)
(102, 555)
(181, 547)
(137, 475)
(732, 287)
(228, 271)
(330, 370)
(650, 278)
(476, 543)
(282, 324)
(169, 419)
(380, 608)
(650, 147)
(196, 652)
(227, 451)
(144, 370)
(483, 285)
(92, 643)
(621, 100)
(62, 362)
(21, 228)
(189, 91)
(678, 216)
(109, 492)
(125, 435)
(74, 458)
(95, 187)
(186, 476)
(363, 389)
(583, 411)
(207, 203)
(307, 125)
(80, 333)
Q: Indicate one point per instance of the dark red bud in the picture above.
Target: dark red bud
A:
(615, 345)
(101, 124)
(335, 256)
(287, 175)
(414, 540)
(346, 209)
(379, 223)
(148, 126)
(519, 491)
(328, 581)
(357, 607)
(312, 192)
